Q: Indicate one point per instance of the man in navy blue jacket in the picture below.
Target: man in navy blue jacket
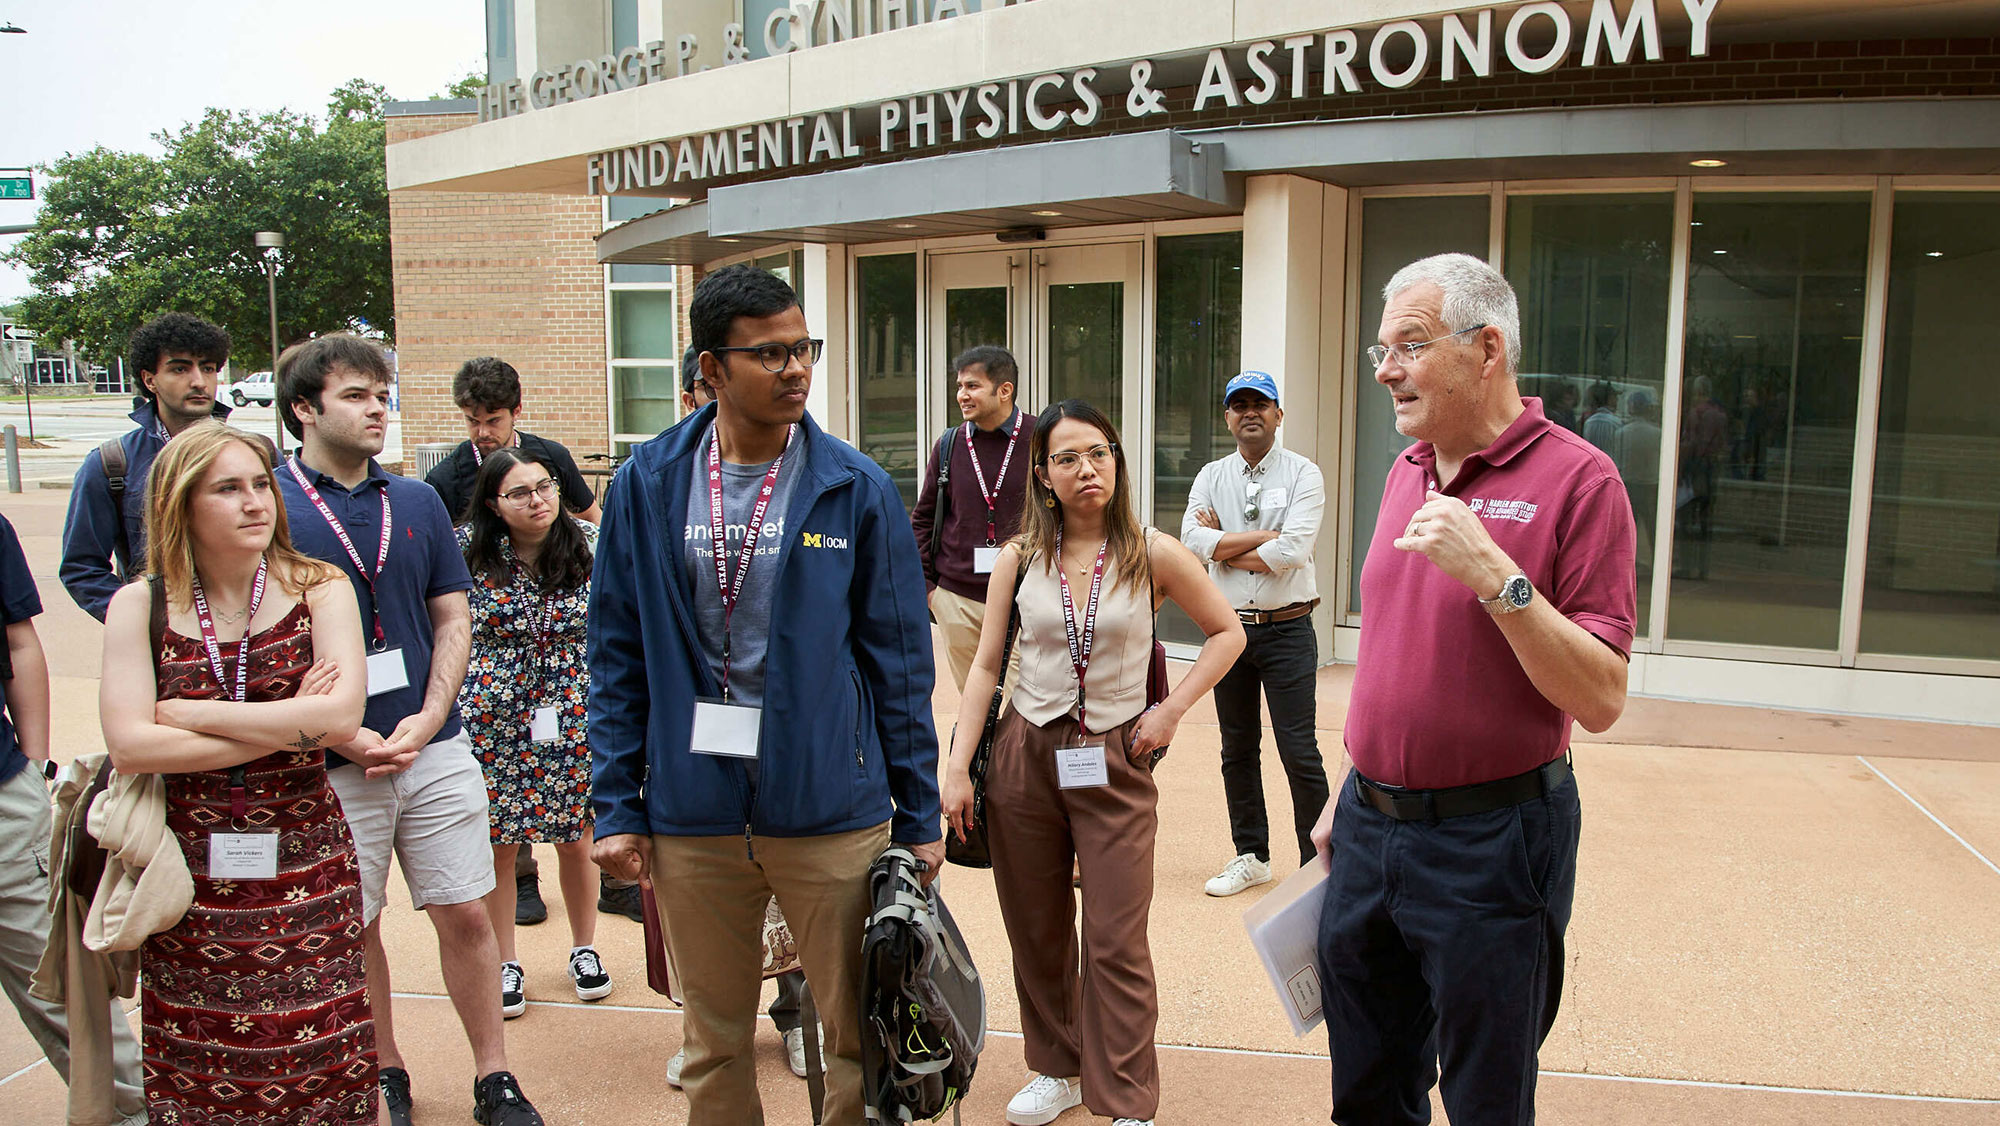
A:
(179, 358)
(761, 671)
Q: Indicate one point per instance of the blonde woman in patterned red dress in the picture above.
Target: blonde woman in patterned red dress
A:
(255, 1003)
(523, 698)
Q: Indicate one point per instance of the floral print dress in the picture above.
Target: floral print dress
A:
(527, 653)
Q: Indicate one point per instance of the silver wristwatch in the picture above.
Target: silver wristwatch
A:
(1515, 594)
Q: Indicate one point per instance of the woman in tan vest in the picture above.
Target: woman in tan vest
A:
(1071, 775)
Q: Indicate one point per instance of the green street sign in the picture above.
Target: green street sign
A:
(17, 187)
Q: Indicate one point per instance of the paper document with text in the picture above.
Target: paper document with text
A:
(1284, 927)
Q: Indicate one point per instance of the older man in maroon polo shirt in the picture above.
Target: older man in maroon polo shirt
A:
(1500, 596)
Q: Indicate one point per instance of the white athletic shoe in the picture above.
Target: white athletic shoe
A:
(1131, 1122)
(1242, 873)
(795, 1050)
(1043, 1100)
(674, 1068)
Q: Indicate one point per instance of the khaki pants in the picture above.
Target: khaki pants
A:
(24, 931)
(712, 896)
(1096, 1023)
(958, 619)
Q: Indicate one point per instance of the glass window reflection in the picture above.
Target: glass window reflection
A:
(886, 374)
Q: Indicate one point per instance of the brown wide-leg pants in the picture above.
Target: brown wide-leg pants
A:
(1098, 1024)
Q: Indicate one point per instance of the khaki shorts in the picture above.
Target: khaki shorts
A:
(431, 816)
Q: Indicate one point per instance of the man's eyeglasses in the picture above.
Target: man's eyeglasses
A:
(1250, 491)
(775, 357)
(1100, 457)
(520, 497)
(1406, 351)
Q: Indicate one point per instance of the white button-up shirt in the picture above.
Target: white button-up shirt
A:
(1291, 496)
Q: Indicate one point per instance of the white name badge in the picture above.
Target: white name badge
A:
(542, 727)
(242, 856)
(1275, 498)
(729, 730)
(386, 672)
(1080, 767)
(983, 559)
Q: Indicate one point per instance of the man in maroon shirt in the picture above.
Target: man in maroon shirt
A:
(960, 527)
(1499, 595)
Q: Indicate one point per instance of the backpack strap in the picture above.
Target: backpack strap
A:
(815, 1066)
(112, 453)
(157, 628)
(941, 511)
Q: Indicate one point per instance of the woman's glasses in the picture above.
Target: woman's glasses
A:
(520, 497)
(1100, 457)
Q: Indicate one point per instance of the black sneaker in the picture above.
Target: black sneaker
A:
(586, 972)
(621, 901)
(513, 990)
(497, 1101)
(528, 906)
(394, 1084)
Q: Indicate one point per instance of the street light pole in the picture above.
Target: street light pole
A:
(272, 243)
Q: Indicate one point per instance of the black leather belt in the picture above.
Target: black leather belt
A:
(1462, 801)
(1281, 614)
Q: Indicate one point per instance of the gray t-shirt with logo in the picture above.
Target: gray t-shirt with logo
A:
(750, 625)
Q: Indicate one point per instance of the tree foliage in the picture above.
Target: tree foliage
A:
(122, 237)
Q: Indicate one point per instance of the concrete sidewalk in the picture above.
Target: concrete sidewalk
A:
(1780, 919)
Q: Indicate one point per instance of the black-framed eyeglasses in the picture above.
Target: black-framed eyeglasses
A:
(1407, 350)
(1100, 457)
(519, 498)
(775, 357)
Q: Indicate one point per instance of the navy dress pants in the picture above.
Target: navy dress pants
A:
(1441, 946)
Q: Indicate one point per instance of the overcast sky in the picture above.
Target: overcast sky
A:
(115, 72)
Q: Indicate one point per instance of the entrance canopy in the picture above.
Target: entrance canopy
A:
(1128, 178)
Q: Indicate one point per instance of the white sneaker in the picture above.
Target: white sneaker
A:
(674, 1068)
(1246, 871)
(1043, 1099)
(1131, 1122)
(795, 1050)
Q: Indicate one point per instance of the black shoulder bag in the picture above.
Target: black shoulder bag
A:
(974, 851)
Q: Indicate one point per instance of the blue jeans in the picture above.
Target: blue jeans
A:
(1441, 945)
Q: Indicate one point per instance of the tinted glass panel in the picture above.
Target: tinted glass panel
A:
(886, 375)
(1593, 275)
(642, 325)
(1199, 346)
(1395, 233)
(973, 317)
(1933, 580)
(647, 399)
(643, 273)
(1087, 345)
(1771, 376)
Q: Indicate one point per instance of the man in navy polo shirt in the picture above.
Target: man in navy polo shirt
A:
(24, 839)
(1500, 598)
(408, 783)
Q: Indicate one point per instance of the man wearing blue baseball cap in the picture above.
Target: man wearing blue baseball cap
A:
(1253, 517)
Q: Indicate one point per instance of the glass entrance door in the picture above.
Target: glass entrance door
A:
(1087, 303)
(975, 299)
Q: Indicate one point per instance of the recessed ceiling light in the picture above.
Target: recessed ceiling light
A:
(729, 240)
(1933, 253)
(904, 226)
(1707, 162)
(1046, 214)
(1719, 252)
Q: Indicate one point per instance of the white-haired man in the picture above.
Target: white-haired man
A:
(1501, 599)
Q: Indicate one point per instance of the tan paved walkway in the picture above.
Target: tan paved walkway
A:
(1780, 919)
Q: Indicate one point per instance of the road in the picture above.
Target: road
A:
(74, 427)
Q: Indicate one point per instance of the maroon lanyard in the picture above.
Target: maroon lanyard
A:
(478, 459)
(1079, 640)
(340, 531)
(718, 533)
(979, 475)
(545, 624)
(238, 796)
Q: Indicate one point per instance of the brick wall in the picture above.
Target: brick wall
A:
(509, 275)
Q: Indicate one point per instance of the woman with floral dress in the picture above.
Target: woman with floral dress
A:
(523, 698)
(228, 674)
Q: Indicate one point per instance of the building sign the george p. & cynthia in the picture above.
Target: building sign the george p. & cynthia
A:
(1532, 39)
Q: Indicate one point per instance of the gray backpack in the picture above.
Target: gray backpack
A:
(923, 1015)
